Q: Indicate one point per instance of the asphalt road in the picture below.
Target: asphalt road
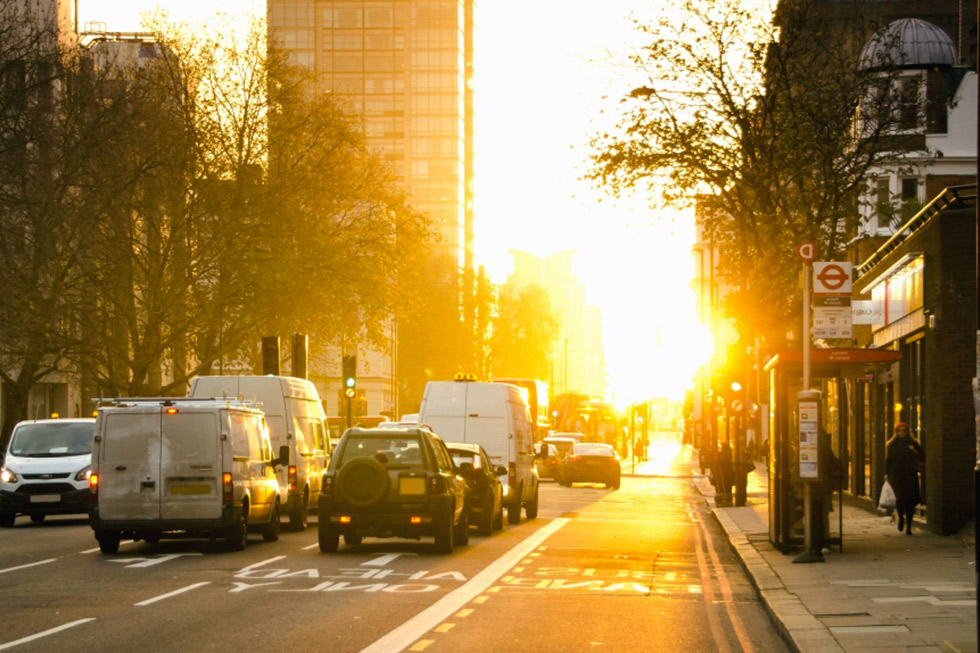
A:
(644, 568)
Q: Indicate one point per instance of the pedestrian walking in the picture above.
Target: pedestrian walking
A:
(902, 465)
(724, 475)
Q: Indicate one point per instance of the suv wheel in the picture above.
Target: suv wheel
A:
(444, 537)
(531, 509)
(108, 541)
(328, 538)
(462, 532)
(271, 531)
(299, 518)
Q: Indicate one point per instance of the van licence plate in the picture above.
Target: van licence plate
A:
(411, 486)
(190, 489)
(45, 498)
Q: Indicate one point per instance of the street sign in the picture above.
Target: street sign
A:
(832, 278)
(806, 250)
(832, 316)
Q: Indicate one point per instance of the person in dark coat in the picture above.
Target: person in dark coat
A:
(726, 470)
(902, 463)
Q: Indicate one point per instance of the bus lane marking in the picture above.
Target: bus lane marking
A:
(30, 564)
(142, 563)
(45, 633)
(342, 580)
(169, 594)
(416, 627)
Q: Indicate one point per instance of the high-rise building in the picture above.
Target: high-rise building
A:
(404, 69)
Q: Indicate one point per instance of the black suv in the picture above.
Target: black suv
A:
(392, 482)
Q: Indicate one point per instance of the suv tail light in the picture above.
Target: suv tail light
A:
(327, 488)
(512, 474)
(93, 489)
(227, 494)
(293, 479)
(436, 484)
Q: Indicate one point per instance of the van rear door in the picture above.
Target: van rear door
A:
(191, 465)
(444, 409)
(129, 486)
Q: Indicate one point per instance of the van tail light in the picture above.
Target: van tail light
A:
(574, 459)
(327, 488)
(93, 489)
(512, 474)
(435, 485)
(293, 479)
(227, 493)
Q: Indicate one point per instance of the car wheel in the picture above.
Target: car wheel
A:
(237, 537)
(531, 509)
(462, 530)
(271, 531)
(514, 511)
(37, 519)
(444, 537)
(7, 519)
(498, 519)
(108, 541)
(327, 537)
(616, 484)
(351, 539)
(299, 518)
(485, 527)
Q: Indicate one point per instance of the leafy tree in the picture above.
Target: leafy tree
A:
(524, 332)
(753, 121)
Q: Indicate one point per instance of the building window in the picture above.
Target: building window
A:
(908, 103)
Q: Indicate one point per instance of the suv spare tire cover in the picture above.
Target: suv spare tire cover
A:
(362, 482)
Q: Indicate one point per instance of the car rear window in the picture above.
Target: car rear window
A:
(592, 449)
(393, 452)
(461, 456)
(53, 439)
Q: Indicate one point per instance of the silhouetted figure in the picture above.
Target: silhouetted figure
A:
(902, 464)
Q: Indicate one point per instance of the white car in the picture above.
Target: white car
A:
(46, 469)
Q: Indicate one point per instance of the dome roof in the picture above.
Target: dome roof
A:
(908, 43)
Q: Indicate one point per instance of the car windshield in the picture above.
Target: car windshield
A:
(561, 445)
(51, 439)
(392, 452)
(592, 449)
(461, 456)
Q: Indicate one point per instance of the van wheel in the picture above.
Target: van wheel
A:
(299, 518)
(37, 519)
(444, 537)
(271, 532)
(514, 512)
(531, 509)
(351, 539)
(108, 541)
(485, 527)
(461, 534)
(7, 519)
(328, 538)
(238, 536)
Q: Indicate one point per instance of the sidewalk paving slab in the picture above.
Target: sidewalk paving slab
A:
(884, 592)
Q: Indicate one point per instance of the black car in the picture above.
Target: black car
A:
(484, 491)
(590, 462)
(392, 482)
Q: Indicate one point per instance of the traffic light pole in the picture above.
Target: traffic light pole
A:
(350, 413)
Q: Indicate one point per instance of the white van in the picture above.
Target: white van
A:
(46, 469)
(182, 468)
(494, 415)
(296, 420)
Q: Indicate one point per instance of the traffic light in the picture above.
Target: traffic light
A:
(350, 373)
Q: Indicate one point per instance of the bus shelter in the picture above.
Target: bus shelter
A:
(829, 371)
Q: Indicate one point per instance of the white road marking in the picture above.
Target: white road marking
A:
(50, 631)
(139, 563)
(259, 564)
(438, 612)
(174, 593)
(31, 564)
(92, 550)
(384, 558)
(312, 546)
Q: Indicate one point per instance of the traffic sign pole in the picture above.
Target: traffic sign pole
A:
(806, 325)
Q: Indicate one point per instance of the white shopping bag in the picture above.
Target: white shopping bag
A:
(886, 501)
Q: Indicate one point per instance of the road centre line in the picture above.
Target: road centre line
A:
(31, 564)
(92, 550)
(312, 546)
(174, 593)
(50, 631)
(411, 630)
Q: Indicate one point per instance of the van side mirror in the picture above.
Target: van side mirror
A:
(283, 458)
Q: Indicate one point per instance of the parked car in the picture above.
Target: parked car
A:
(546, 459)
(397, 482)
(295, 416)
(46, 469)
(590, 462)
(494, 415)
(484, 491)
(183, 468)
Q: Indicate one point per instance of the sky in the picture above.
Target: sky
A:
(543, 71)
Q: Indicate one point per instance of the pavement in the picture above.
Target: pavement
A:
(884, 592)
